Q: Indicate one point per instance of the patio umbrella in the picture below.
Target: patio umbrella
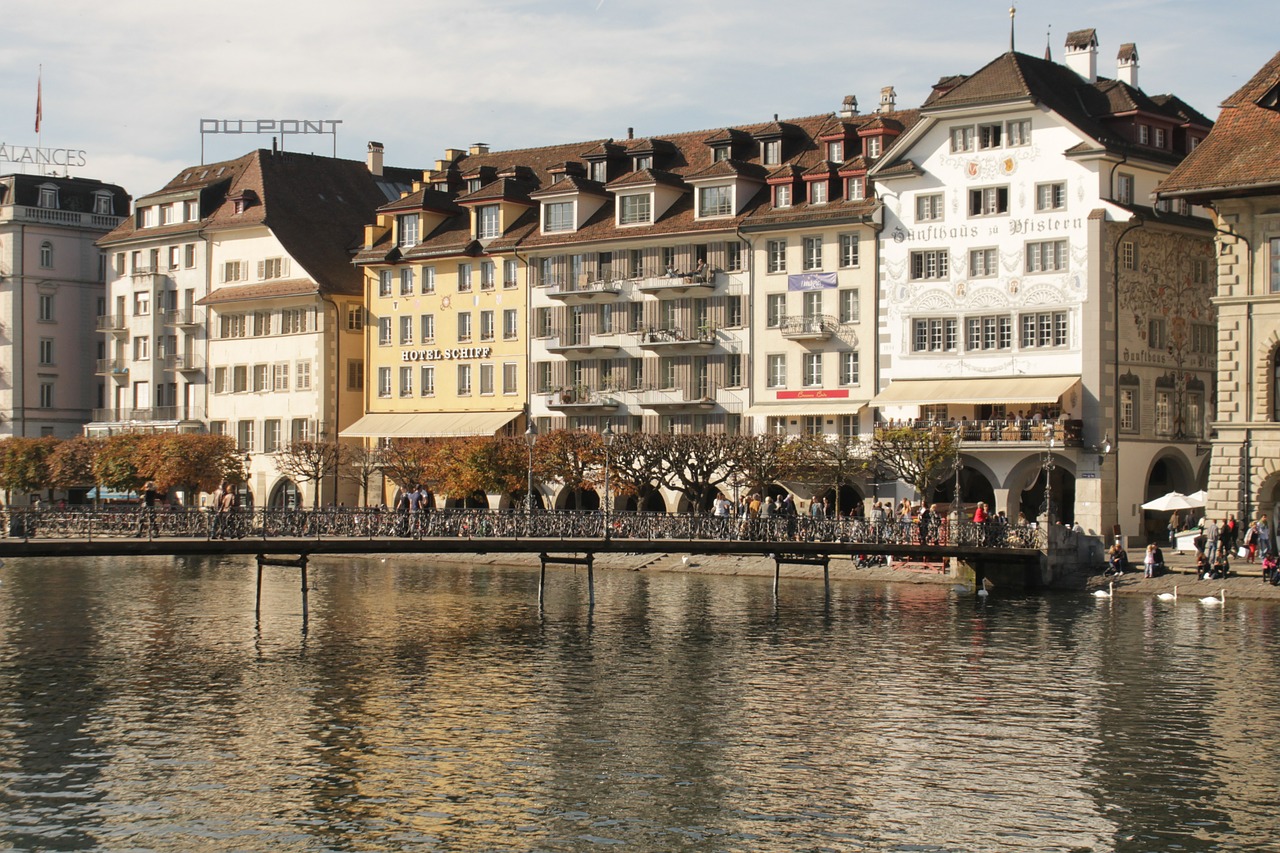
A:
(1172, 501)
(1201, 497)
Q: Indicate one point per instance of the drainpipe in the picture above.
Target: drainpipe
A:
(1135, 222)
(337, 379)
(747, 318)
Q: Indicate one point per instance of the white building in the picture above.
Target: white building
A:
(1006, 209)
(236, 307)
(51, 290)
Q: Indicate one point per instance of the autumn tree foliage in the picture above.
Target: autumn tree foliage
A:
(24, 463)
(920, 458)
(697, 465)
(572, 457)
(762, 460)
(190, 461)
(71, 463)
(408, 462)
(360, 467)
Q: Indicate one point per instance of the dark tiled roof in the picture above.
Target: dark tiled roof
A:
(646, 176)
(73, 193)
(729, 168)
(1241, 155)
(1174, 106)
(570, 184)
(261, 290)
(423, 199)
(503, 189)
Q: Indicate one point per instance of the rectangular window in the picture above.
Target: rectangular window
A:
(487, 328)
(261, 377)
(1128, 409)
(510, 378)
(486, 379)
(962, 139)
(777, 252)
(990, 135)
(141, 348)
(542, 322)
(355, 375)
(715, 201)
(510, 269)
(1051, 196)
(488, 275)
(874, 145)
(464, 326)
(733, 311)
(988, 201)
(733, 256)
(1144, 134)
(1159, 138)
(1047, 256)
(142, 303)
(280, 376)
(406, 281)
(406, 329)
(427, 381)
(776, 425)
(1017, 132)
(510, 324)
(771, 152)
(464, 278)
(812, 303)
(272, 268)
(407, 230)
(733, 370)
(1043, 330)
(1164, 413)
(428, 279)
(635, 209)
(983, 263)
(818, 192)
(384, 282)
(406, 381)
(812, 253)
(775, 309)
(246, 437)
(929, 207)
(271, 435)
(931, 264)
(219, 380)
(384, 381)
(384, 331)
(355, 318)
(261, 323)
(856, 188)
(1124, 188)
(777, 371)
(489, 220)
(835, 151)
(849, 305)
(240, 378)
(1157, 333)
(45, 314)
(428, 323)
(782, 195)
(301, 429)
(464, 379)
(1128, 255)
(934, 334)
(557, 216)
(46, 351)
(848, 251)
(848, 368)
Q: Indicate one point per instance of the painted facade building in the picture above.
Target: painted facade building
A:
(52, 290)
(1032, 299)
(1237, 171)
(235, 308)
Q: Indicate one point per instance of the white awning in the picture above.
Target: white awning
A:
(1016, 389)
(428, 425)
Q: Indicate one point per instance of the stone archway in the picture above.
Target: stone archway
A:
(582, 500)
(285, 495)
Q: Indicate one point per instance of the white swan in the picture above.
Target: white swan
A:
(982, 593)
(1169, 596)
(1107, 593)
(1210, 600)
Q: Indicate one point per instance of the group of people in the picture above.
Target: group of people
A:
(221, 503)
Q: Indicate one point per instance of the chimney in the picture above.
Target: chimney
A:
(1127, 64)
(631, 133)
(888, 99)
(848, 107)
(374, 159)
(453, 155)
(479, 148)
(1082, 53)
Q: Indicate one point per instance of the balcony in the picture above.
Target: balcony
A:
(703, 284)
(185, 362)
(808, 327)
(677, 340)
(49, 216)
(585, 291)
(115, 367)
(581, 400)
(184, 317)
(1007, 433)
(116, 324)
(148, 415)
(579, 344)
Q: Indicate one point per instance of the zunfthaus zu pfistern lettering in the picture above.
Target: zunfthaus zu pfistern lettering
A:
(1012, 212)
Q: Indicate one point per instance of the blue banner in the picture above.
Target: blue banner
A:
(811, 281)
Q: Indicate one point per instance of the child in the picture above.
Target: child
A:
(1149, 562)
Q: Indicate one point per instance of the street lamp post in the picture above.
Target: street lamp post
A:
(956, 465)
(530, 439)
(608, 435)
(1048, 466)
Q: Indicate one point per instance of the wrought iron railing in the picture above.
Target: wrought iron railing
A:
(347, 522)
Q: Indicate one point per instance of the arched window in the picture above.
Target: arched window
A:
(46, 255)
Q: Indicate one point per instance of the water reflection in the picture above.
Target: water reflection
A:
(142, 705)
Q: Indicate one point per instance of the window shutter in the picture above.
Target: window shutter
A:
(284, 268)
(649, 372)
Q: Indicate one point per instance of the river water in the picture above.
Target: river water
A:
(144, 707)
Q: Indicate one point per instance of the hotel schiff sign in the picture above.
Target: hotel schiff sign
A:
(444, 354)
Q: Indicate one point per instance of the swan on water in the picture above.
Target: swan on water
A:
(1169, 596)
(1107, 593)
(1209, 599)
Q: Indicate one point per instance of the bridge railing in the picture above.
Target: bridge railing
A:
(375, 523)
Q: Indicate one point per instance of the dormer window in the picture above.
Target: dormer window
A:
(407, 230)
(473, 185)
(102, 203)
(715, 201)
(782, 195)
(818, 192)
(644, 161)
(1159, 137)
(237, 206)
(719, 153)
(488, 222)
(147, 217)
(557, 216)
(635, 209)
(600, 171)
(835, 151)
(771, 152)
(1144, 134)
(190, 211)
(857, 188)
(875, 145)
(441, 186)
(48, 196)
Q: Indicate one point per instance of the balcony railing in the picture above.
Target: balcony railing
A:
(184, 316)
(697, 284)
(147, 414)
(808, 327)
(113, 367)
(48, 216)
(579, 343)
(182, 361)
(1068, 433)
(580, 399)
(112, 323)
(678, 338)
(585, 290)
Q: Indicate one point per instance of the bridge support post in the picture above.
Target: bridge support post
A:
(588, 561)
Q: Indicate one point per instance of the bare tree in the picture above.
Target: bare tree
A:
(310, 462)
(919, 457)
(830, 461)
(697, 465)
(362, 465)
(636, 461)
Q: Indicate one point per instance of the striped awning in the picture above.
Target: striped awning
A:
(1014, 389)
(428, 425)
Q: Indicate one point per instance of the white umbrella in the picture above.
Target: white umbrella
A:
(1171, 501)
(1201, 497)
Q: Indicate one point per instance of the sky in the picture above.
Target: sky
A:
(128, 81)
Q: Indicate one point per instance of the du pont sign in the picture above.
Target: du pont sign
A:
(268, 125)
